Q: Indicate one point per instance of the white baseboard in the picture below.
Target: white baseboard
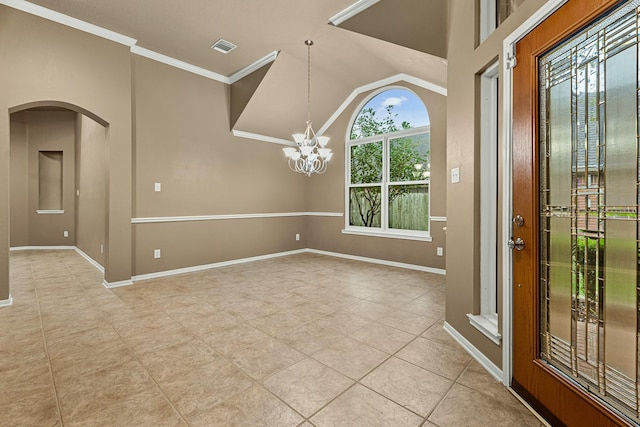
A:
(111, 285)
(474, 352)
(6, 302)
(214, 265)
(40, 248)
(44, 248)
(379, 261)
(93, 262)
(232, 262)
(281, 254)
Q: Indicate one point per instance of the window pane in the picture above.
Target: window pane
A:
(410, 158)
(504, 8)
(366, 163)
(365, 206)
(409, 207)
(389, 111)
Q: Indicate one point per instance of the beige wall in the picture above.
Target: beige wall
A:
(184, 143)
(66, 131)
(428, 19)
(19, 200)
(91, 155)
(32, 132)
(169, 126)
(326, 193)
(466, 63)
(44, 62)
(186, 244)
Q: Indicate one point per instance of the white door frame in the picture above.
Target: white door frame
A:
(508, 52)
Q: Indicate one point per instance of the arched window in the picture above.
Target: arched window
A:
(388, 152)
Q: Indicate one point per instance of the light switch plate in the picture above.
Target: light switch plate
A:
(158, 187)
(455, 175)
(156, 253)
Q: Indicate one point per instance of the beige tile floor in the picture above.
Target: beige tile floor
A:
(301, 340)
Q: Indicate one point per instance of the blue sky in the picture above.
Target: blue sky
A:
(408, 106)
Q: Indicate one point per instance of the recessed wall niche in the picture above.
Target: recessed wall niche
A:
(50, 180)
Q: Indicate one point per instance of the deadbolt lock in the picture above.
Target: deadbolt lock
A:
(518, 221)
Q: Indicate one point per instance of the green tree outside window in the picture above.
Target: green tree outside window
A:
(407, 182)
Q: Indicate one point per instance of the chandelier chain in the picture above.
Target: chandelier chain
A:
(309, 43)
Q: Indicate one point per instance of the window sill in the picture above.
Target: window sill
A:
(49, 212)
(387, 234)
(487, 324)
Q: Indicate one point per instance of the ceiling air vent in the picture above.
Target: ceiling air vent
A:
(223, 46)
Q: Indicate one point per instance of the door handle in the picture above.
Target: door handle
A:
(517, 244)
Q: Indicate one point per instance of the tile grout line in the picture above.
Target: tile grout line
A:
(444, 396)
(357, 382)
(198, 337)
(137, 358)
(367, 373)
(424, 418)
(253, 380)
(46, 349)
(310, 356)
(269, 335)
(261, 382)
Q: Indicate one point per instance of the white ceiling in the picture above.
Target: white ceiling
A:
(342, 60)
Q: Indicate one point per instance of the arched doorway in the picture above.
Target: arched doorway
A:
(58, 179)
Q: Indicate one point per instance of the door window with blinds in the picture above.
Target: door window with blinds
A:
(589, 208)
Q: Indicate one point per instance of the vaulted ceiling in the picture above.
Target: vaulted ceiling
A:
(388, 38)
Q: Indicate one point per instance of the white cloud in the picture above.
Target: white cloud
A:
(393, 100)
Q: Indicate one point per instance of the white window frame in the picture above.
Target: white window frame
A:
(487, 18)
(383, 230)
(487, 320)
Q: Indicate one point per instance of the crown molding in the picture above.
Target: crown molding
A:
(179, 64)
(267, 59)
(104, 33)
(258, 137)
(69, 21)
(351, 11)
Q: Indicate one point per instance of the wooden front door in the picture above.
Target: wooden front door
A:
(576, 175)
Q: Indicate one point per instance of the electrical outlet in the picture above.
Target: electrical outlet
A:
(439, 251)
(65, 233)
(297, 236)
(156, 253)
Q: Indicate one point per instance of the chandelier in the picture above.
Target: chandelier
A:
(310, 154)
